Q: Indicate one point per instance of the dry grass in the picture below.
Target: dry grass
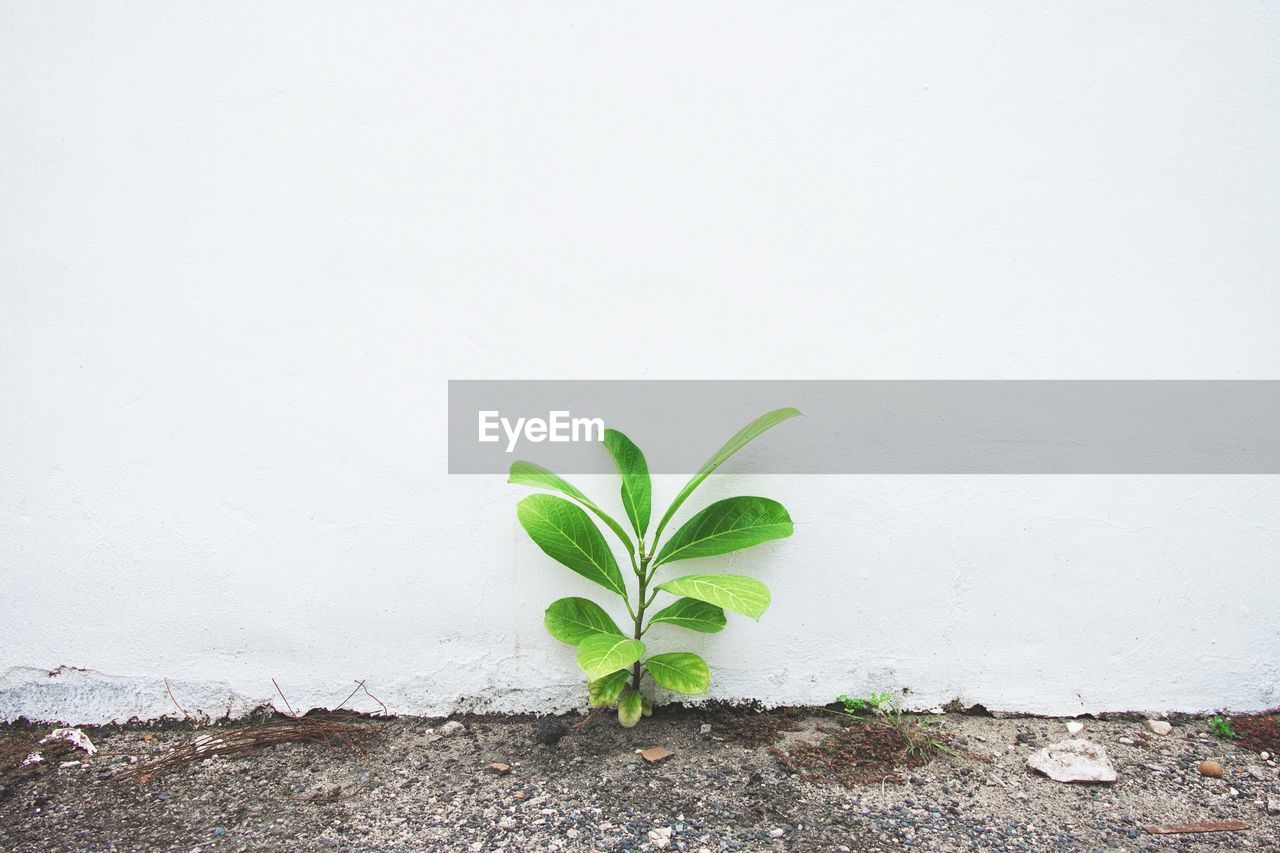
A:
(241, 740)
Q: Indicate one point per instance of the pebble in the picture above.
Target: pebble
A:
(1074, 727)
(1211, 768)
(1158, 727)
(660, 837)
(655, 754)
(452, 728)
(776, 833)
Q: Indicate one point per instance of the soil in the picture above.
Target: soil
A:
(1258, 732)
(753, 726)
(412, 788)
(861, 752)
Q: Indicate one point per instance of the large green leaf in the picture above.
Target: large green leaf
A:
(601, 654)
(637, 490)
(529, 474)
(740, 439)
(605, 691)
(727, 525)
(565, 533)
(630, 707)
(683, 672)
(732, 592)
(692, 614)
(572, 620)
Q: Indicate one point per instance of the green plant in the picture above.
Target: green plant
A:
(876, 703)
(922, 737)
(613, 662)
(1221, 727)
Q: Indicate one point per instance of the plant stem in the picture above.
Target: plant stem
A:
(639, 616)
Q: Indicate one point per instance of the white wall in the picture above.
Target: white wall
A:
(244, 245)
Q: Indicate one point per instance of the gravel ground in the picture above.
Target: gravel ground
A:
(417, 790)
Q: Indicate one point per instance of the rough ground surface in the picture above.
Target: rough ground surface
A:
(591, 791)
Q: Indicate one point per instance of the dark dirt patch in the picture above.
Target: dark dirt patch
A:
(752, 726)
(859, 753)
(1258, 732)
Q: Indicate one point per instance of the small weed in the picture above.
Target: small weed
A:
(920, 735)
(1221, 727)
(876, 703)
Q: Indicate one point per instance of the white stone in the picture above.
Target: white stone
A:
(1273, 805)
(1127, 741)
(451, 728)
(1075, 727)
(660, 837)
(1159, 727)
(1073, 760)
(1264, 755)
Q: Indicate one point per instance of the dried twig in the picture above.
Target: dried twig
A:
(285, 698)
(338, 707)
(185, 715)
(385, 712)
(589, 719)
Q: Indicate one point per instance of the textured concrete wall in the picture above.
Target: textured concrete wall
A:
(243, 246)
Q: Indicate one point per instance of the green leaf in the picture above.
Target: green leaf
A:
(605, 691)
(571, 620)
(630, 707)
(567, 536)
(528, 474)
(601, 654)
(637, 490)
(683, 672)
(740, 440)
(646, 707)
(692, 614)
(732, 592)
(727, 525)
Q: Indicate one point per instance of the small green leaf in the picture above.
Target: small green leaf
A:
(605, 691)
(728, 525)
(529, 474)
(637, 489)
(740, 440)
(567, 536)
(732, 592)
(683, 672)
(630, 708)
(646, 707)
(692, 614)
(601, 654)
(571, 620)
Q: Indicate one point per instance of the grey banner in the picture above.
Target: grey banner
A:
(875, 427)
